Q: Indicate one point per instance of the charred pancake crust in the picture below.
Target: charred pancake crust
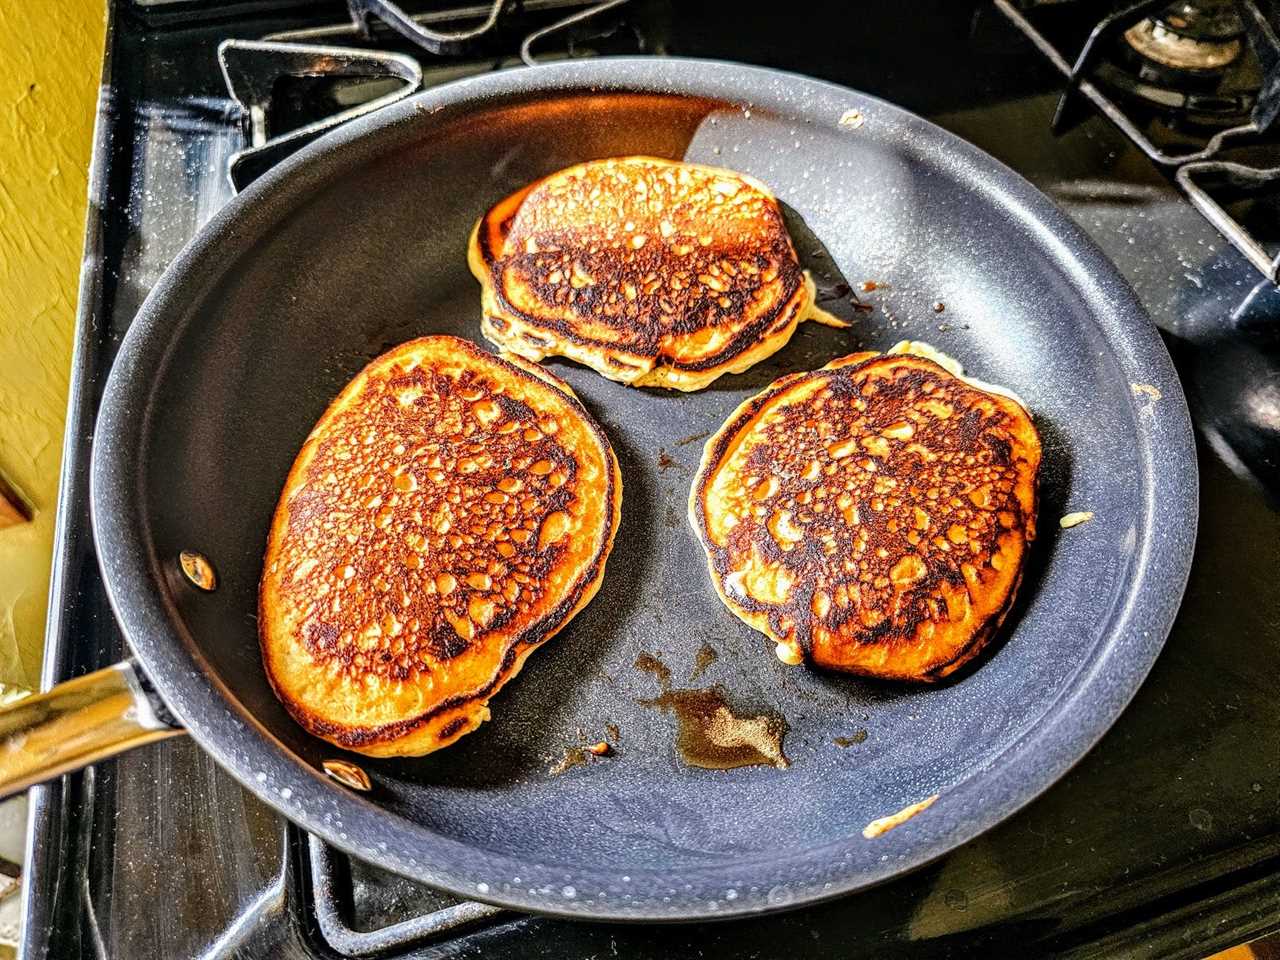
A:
(649, 340)
(648, 270)
(872, 515)
(450, 512)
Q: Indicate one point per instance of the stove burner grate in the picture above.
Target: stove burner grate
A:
(331, 881)
(267, 77)
(1209, 167)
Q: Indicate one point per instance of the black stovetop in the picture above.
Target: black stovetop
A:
(1164, 841)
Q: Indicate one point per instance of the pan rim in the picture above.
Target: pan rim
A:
(357, 825)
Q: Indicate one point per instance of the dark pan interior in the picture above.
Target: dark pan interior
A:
(266, 326)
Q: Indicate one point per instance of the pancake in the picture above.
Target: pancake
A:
(449, 512)
(873, 516)
(651, 272)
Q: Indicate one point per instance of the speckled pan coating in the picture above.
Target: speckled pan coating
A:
(359, 242)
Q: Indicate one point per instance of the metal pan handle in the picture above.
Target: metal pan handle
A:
(78, 723)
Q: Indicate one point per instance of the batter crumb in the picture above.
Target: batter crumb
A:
(884, 824)
(1075, 519)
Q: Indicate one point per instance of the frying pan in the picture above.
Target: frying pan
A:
(358, 243)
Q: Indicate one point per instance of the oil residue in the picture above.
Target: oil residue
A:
(857, 737)
(711, 733)
(692, 438)
(583, 752)
(573, 757)
(706, 657)
(651, 664)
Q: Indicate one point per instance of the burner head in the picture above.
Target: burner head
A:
(1189, 62)
(1159, 41)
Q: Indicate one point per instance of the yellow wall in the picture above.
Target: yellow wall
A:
(50, 62)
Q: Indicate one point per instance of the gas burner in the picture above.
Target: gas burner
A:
(1198, 38)
(1188, 62)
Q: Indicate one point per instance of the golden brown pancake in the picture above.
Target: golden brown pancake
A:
(449, 512)
(652, 272)
(872, 516)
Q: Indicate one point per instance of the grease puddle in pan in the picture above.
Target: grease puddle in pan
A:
(711, 733)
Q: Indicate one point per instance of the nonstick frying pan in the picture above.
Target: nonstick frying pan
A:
(358, 243)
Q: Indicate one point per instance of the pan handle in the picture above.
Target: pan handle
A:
(78, 723)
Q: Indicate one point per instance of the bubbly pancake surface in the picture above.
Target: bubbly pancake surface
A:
(872, 516)
(652, 272)
(448, 513)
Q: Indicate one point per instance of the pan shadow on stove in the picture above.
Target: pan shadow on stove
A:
(913, 928)
(1233, 378)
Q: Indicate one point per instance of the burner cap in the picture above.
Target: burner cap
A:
(1189, 62)
(1156, 40)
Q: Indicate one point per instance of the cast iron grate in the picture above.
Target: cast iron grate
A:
(295, 85)
(1230, 175)
(364, 912)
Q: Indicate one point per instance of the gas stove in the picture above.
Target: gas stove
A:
(1165, 841)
